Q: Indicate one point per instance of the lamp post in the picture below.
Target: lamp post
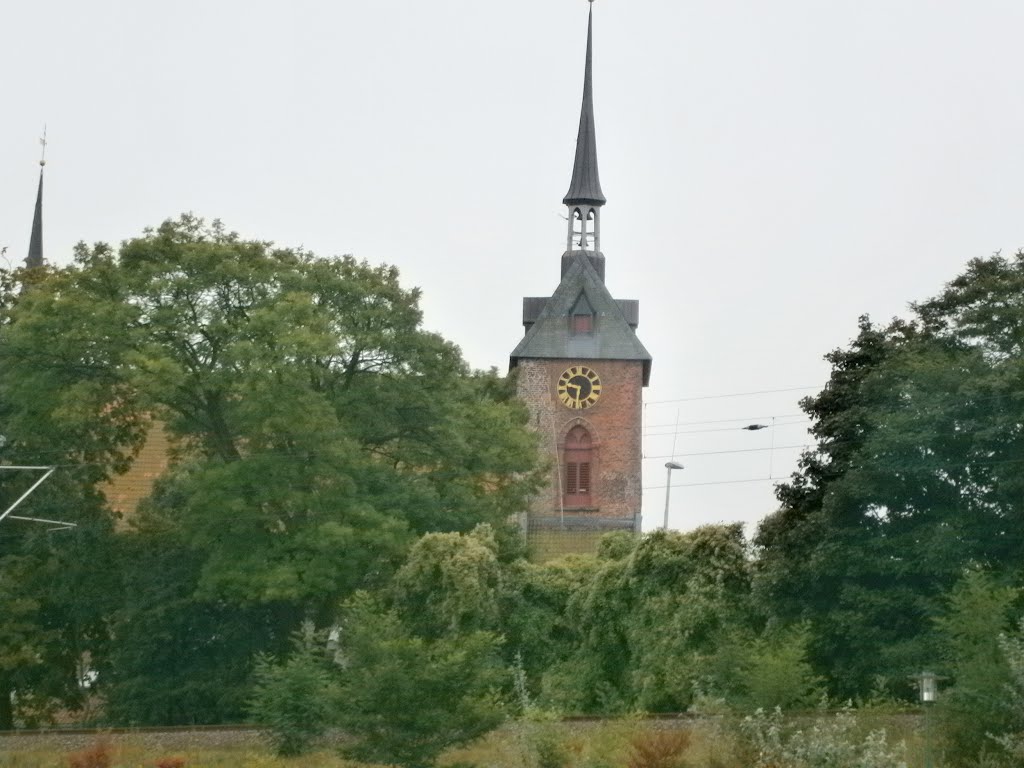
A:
(927, 683)
(669, 465)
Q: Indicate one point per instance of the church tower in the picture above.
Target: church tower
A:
(581, 371)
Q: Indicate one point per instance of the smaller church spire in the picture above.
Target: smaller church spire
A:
(585, 187)
(585, 197)
(35, 243)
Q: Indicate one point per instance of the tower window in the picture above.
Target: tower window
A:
(579, 462)
(582, 323)
(581, 316)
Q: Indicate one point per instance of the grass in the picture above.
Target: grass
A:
(127, 754)
(603, 744)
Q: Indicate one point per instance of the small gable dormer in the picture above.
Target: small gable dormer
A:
(582, 318)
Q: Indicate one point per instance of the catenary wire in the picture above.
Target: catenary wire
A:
(733, 394)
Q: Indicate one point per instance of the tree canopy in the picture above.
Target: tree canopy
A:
(337, 467)
(318, 429)
(916, 477)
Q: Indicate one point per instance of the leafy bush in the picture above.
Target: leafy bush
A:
(293, 698)
(540, 735)
(406, 699)
(658, 749)
(550, 750)
(99, 755)
(541, 738)
(449, 583)
(829, 743)
(777, 673)
(1013, 651)
(973, 706)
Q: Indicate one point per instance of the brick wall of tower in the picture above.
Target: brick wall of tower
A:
(615, 424)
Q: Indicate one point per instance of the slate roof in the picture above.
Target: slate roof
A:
(613, 337)
(585, 187)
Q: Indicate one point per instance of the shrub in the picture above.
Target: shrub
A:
(406, 699)
(831, 742)
(776, 672)
(973, 706)
(1012, 740)
(540, 738)
(99, 755)
(658, 749)
(550, 750)
(293, 698)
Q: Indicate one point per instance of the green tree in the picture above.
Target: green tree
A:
(973, 703)
(540, 633)
(822, 557)
(450, 584)
(657, 625)
(690, 598)
(406, 699)
(295, 698)
(318, 428)
(774, 671)
(57, 587)
(915, 477)
(179, 658)
(1012, 740)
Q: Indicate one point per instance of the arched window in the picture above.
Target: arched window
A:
(584, 229)
(579, 463)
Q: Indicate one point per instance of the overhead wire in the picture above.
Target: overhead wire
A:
(738, 419)
(305, 452)
(737, 450)
(305, 455)
(816, 444)
(716, 482)
(733, 394)
(724, 429)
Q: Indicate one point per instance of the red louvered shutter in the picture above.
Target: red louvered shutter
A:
(578, 461)
(571, 479)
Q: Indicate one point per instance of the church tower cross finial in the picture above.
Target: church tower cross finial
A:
(585, 198)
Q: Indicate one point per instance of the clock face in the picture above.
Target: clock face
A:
(579, 387)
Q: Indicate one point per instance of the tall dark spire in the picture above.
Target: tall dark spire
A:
(585, 188)
(35, 243)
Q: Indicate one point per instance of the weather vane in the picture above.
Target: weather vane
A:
(42, 141)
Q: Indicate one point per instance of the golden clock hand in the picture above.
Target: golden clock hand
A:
(574, 400)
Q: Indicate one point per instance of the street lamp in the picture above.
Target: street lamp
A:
(927, 684)
(669, 465)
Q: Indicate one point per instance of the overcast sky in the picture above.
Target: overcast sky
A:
(773, 170)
